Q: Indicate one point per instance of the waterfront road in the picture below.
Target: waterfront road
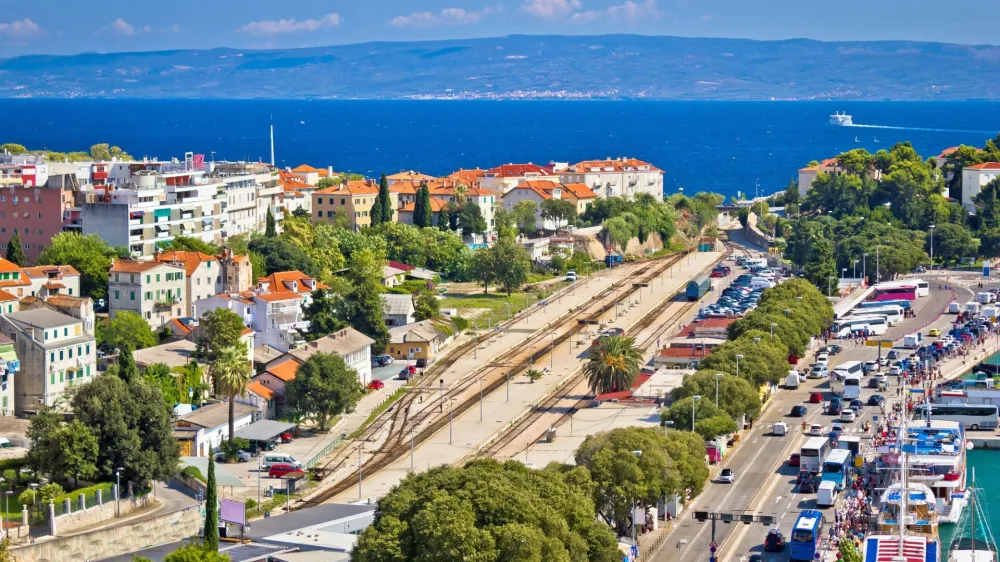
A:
(765, 484)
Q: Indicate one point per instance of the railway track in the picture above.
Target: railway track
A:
(572, 383)
(405, 427)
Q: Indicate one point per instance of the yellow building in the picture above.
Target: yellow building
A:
(353, 200)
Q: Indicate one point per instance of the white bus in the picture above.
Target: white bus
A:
(892, 314)
(875, 326)
(972, 416)
(849, 368)
(923, 287)
(847, 387)
(812, 454)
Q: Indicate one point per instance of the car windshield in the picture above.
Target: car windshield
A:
(727, 471)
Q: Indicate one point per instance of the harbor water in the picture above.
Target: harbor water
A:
(986, 464)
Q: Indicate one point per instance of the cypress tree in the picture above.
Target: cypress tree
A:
(378, 208)
(127, 370)
(211, 532)
(383, 192)
(423, 215)
(270, 230)
(15, 251)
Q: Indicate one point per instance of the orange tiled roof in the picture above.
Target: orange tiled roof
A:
(261, 390)
(129, 266)
(5, 296)
(404, 187)
(580, 191)
(304, 169)
(43, 270)
(469, 177)
(190, 260)
(7, 266)
(54, 286)
(278, 296)
(410, 176)
(352, 187)
(280, 278)
(827, 163)
(178, 328)
(285, 371)
(67, 300)
(618, 164)
(517, 170)
(986, 166)
(294, 185)
(541, 188)
(437, 205)
(245, 332)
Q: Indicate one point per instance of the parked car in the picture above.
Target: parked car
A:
(287, 437)
(798, 411)
(774, 542)
(386, 359)
(934, 332)
(281, 469)
(407, 372)
(727, 476)
(376, 385)
(241, 456)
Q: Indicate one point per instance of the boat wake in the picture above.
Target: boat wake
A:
(930, 129)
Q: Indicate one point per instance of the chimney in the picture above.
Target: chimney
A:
(329, 171)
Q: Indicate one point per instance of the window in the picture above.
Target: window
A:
(62, 376)
(149, 295)
(61, 355)
(88, 370)
(147, 279)
(319, 213)
(343, 201)
(88, 349)
(52, 378)
(157, 277)
(71, 291)
(149, 316)
(131, 295)
(116, 278)
(71, 353)
(319, 200)
(117, 295)
(52, 356)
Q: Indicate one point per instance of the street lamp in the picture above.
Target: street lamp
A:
(843, 272)
(694, 399)
(118, 491)
(773, 324)
(34, 498)
(634, 540)
(451, 418)
(856, 269)
(864, 267)
(717, 377)
(6, 508)
(931, 228)
(738, 357)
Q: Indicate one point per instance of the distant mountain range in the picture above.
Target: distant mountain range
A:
(527, 67)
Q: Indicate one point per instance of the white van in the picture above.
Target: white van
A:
(792, 380)
(972, 307)
(985, 298)
(990, 312)
(779, 429)
(954, 307)
(826, 495)
(271, 459)
(761, 283)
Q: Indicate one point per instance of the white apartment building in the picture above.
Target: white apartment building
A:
(156, 291)
(504, 178)
(49, 280)
(535, 191)
(207, 275)
(614, 177)
(55, 354)
(974, 178)
(148, 203)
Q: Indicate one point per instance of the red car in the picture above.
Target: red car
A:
(815, 397)
(794, 460)
(280, 470)
(717, 273)
(376, 385)
(286, 437)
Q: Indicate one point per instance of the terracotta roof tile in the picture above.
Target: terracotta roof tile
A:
(44, 270)
(278, 296)
(351, 187)
(129, 266)
(986, 166)
(617, 164)
(178, 328)
(536, 187)
(190, 260)
(517, 170)
(469, 177)
(410, 176)
(261, 390)
(304, 169)
(7, 266)
(5, 296)
(580, 191)
(285, 371)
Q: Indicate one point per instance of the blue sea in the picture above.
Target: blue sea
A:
(725, 147)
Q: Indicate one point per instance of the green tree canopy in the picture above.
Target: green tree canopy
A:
(559, 211)
(710, 422)
(488, 512)
(362, 307)
(190, 244)
(231, 371)
(523, 215)
(90, 255)
(513, 264)
(323, 314)
(15, 250)
(737, 396)
(470, 219)
(280, 255)
(613, 364)
(221, 328)
(324, 387)
(127, 327)
(952, 242)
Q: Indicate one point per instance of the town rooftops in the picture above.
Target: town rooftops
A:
(517, 171)
(294, 281)
(5, 296)
(261, 390)
(985, 166)
(397, 304)
(189, 260)
(264, 354)
(42, 318)
(342, 342)
(468, 177)
(284, 371)
(410, 176)
(542, 188)
(360, 187)
(278, 296)
(437, 205)
(828, 164)
(216, 415)
(579, 190)
(423, 331)
(305, 169)
(613, 165)
(130, 266)
(51, 271)
(7, 266)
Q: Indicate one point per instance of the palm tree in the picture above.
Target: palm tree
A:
(533, 375)
(614, 363)
(232, 373)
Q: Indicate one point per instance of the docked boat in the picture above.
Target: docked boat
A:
(973, 540)
(937, 457)
(841, 119)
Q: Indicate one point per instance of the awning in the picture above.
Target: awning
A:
(162, 227)
(186, 226)
(137, 214)
(162, 213)
(264, 430)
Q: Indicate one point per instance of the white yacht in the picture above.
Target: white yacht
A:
(842, 119)
(974, 541)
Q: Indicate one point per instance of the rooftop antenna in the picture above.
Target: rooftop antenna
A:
(272, 144)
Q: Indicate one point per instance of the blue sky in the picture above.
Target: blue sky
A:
(64, 27)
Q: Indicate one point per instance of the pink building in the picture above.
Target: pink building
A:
(36, 212)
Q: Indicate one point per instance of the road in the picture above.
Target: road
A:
(765, 484)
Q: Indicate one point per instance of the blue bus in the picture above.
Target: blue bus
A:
(806, 536)
(835, 467)
(904, 304)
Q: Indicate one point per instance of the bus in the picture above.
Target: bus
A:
(812, 453)
(849, 368)
(803, 545)
(923, 287)
(893, 314)
(835, 467)
(847, 387)
(848, 326)
(972, 416)
(904, 304)
(850, 443)
(895, 292)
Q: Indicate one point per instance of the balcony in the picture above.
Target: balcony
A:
(167, 302)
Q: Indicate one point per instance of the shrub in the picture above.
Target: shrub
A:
(192, 473)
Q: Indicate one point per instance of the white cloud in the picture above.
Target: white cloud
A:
(124, 28)
(549, 9)
(21, 29)
(291, 25)
(447, 16)
(629, 11)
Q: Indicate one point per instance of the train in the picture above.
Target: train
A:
(697, 287)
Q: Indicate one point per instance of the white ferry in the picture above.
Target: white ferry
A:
(841, 119)
(937, 460)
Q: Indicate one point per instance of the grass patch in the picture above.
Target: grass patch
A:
(383, 407)
(489, 309)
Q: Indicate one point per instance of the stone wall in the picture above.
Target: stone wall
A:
(81, 519)
(115, 541)
(753, 235)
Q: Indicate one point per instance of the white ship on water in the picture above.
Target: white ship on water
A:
(841, 119)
